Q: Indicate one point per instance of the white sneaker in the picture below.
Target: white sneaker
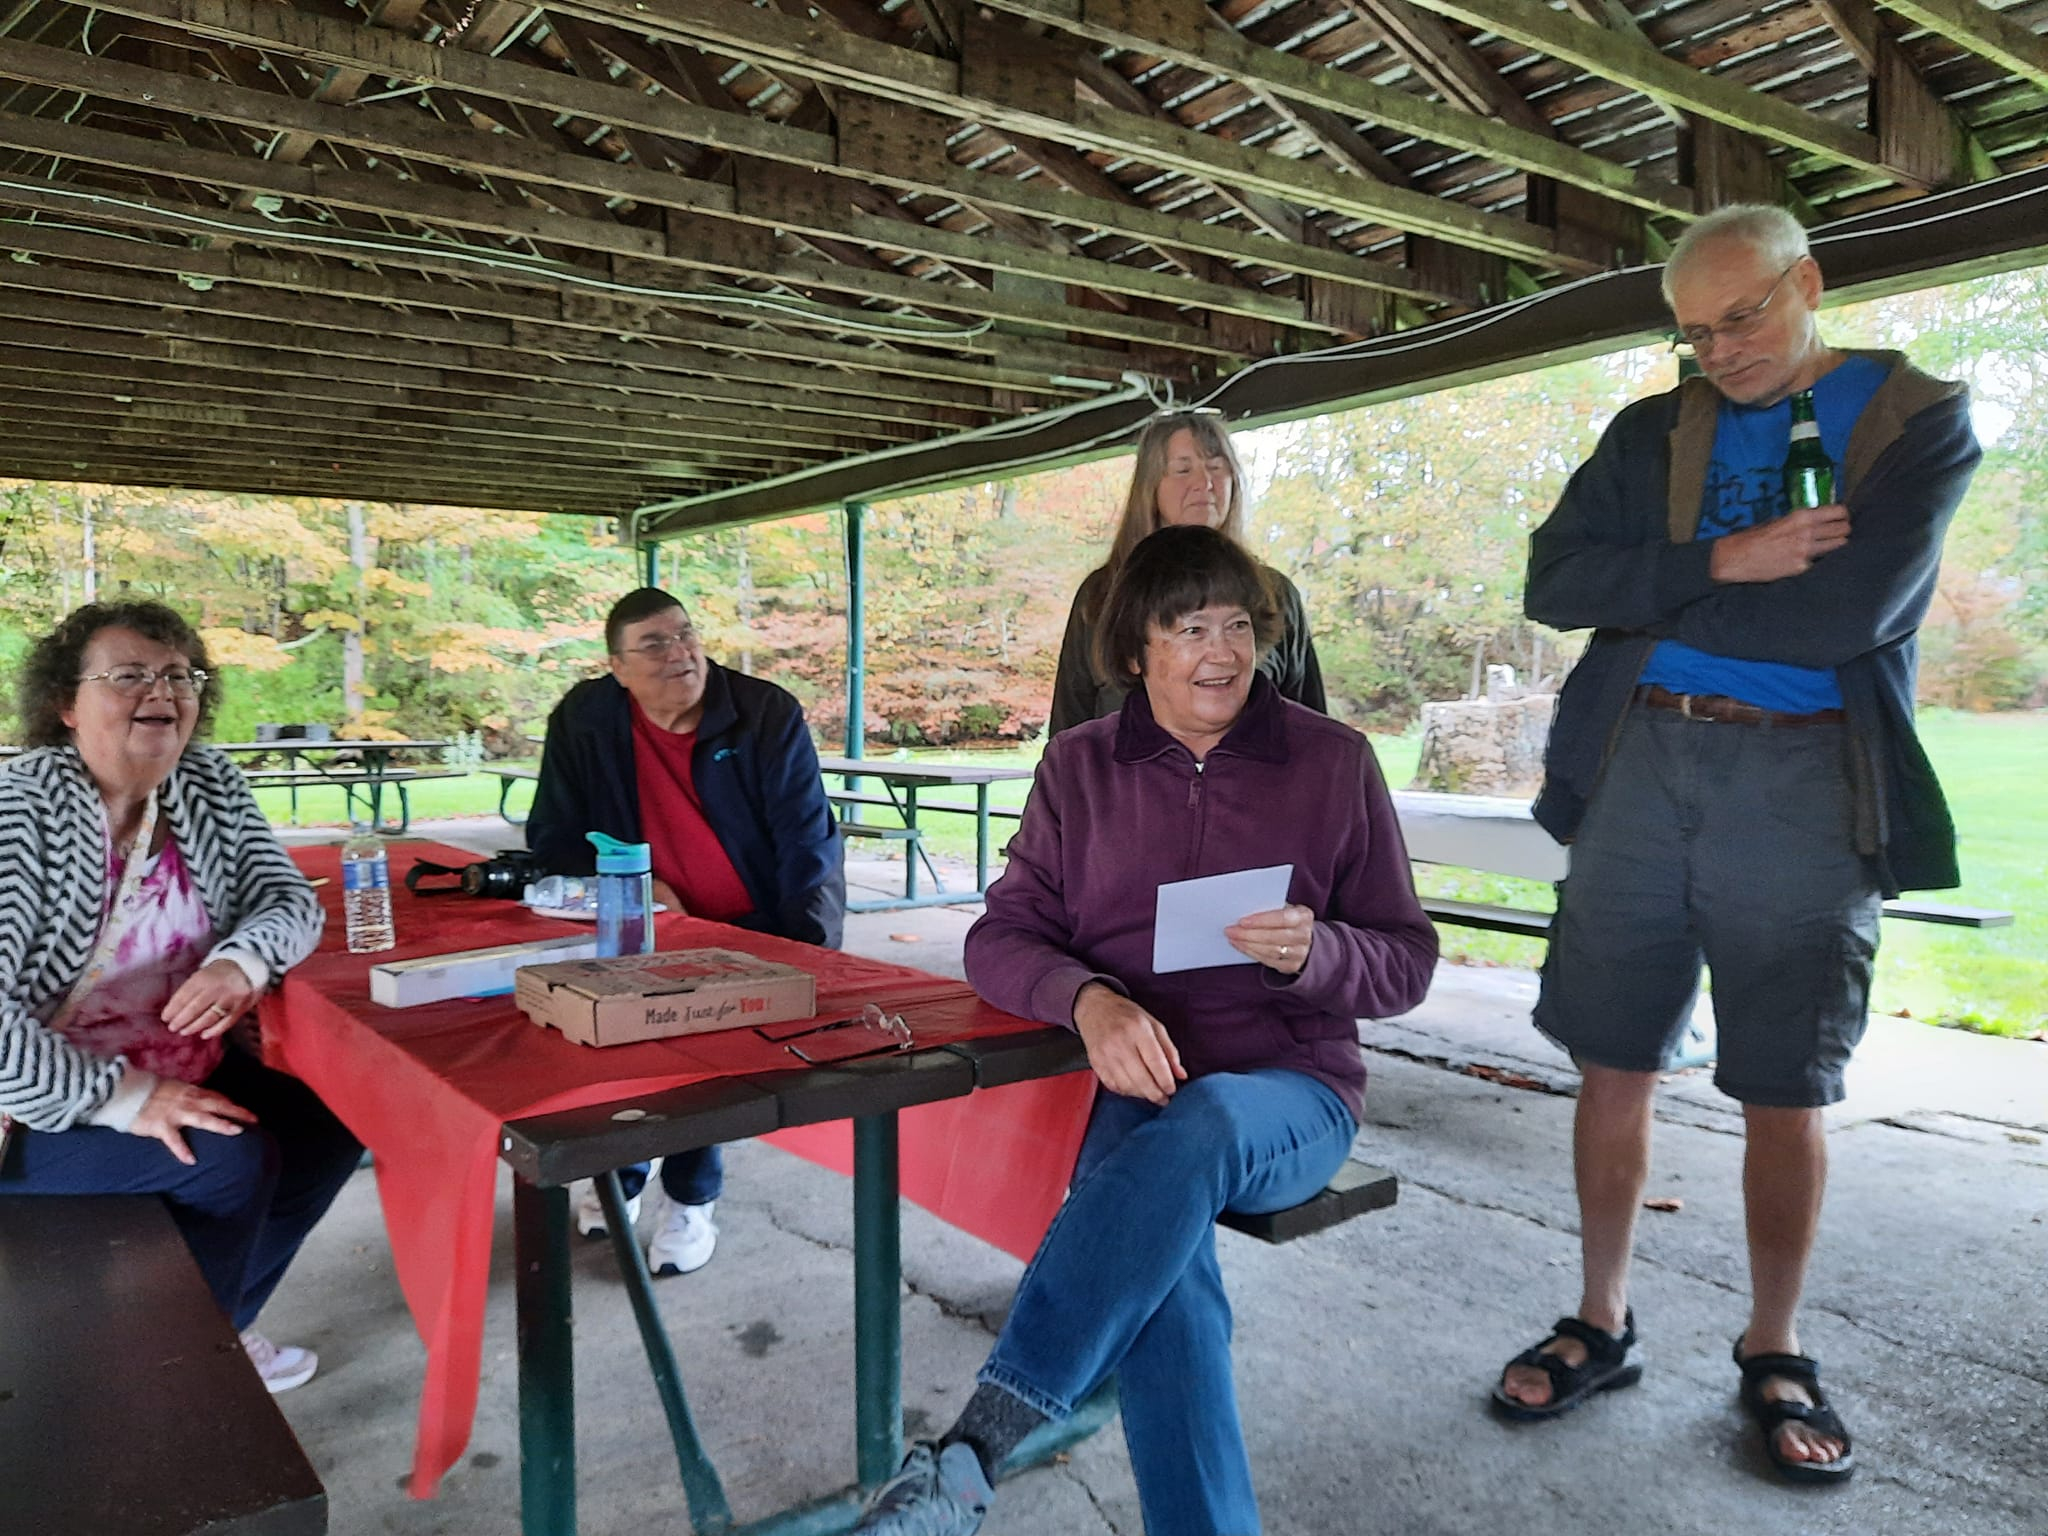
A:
(281, 1369)
(590, 1220)
(684, 1240)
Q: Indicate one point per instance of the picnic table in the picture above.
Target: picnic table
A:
(902, 783)
(352, 764)
(979, 1123)
(1496, 834)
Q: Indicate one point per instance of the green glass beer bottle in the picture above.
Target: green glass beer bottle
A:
(1809, 475)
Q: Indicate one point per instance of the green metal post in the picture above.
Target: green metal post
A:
(856, 629)
(547, 1377)
(651, 554)
(877, 1308)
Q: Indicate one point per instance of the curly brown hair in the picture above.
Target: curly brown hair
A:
(49, 677)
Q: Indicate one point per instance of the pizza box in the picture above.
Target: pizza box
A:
(652, 997)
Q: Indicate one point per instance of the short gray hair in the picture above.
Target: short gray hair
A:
(1765, 228)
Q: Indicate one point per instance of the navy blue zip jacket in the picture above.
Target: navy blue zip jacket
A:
(756, 774)
(1619, 555)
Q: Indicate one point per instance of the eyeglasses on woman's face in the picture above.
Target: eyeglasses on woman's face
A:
(135, 680)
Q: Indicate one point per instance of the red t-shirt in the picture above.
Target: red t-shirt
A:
(686, 852)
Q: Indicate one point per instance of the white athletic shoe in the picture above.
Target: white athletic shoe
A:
(590, 1220)
(281, 1369)
(684, 1241)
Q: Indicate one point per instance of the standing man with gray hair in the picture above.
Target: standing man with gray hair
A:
(1735, 766)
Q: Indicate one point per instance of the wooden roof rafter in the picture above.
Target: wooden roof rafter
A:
(630, 251)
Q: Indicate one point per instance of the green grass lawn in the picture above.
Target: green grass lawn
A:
(1994, 980)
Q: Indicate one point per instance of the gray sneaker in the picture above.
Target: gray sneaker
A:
(939, 1492)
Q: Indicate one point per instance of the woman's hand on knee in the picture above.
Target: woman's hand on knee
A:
(173, 1108)
(1130, 1051)
(210, 1001)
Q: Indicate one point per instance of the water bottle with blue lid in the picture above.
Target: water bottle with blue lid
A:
(625, 896)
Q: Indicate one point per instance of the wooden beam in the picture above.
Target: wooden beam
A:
(275, 28)
(1451, 66)
(64, 462)
(896, 74)
(870, 372)
(1988, 34)
(311, 396)
(1267, 69)
(1915, 128)
(731, 254)
(259, 445)
(363, 440)
(83, 383)
(270, 348)
(1634, 64)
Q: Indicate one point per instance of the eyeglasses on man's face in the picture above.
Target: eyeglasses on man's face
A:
(184, 682)
(1738, 325)
(660, 647)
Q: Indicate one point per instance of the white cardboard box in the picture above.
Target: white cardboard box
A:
(469, 972)
(650, 997)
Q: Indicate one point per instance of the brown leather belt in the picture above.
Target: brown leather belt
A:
(1714, 706)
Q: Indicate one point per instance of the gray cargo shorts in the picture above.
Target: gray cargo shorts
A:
(1731, 846)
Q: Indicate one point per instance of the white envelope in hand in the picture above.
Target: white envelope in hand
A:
(1187, 933)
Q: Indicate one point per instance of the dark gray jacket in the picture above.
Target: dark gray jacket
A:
(1619, 555)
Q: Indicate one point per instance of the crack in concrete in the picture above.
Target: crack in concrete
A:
(959, 1312)
(2022, 1132)
(1065, 1467)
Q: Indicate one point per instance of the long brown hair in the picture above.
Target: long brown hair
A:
(1141, 504)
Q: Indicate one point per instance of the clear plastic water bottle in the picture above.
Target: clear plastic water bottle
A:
(366, 894)
(625, 896)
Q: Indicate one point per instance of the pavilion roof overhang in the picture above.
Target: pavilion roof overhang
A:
(720, 260)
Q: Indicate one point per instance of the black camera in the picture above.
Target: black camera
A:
(504, 876)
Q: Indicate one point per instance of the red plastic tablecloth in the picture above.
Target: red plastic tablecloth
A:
(427, 1088)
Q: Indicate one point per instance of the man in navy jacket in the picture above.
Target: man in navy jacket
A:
(1734, 764)
(715, 771)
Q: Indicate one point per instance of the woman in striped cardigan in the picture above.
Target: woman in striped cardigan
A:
(145, 904)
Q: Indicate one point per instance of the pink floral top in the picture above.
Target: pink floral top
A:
(163, 935)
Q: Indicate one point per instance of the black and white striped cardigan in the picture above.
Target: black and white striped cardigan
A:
(53, 894)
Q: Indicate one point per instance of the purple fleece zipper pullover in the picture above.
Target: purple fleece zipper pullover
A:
(1120, 808)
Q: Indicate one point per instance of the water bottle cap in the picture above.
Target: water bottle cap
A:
(617, 858)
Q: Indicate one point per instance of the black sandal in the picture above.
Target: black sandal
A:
(1611, 1361)
(1771, 1415)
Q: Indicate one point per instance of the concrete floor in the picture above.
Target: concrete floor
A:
(1364, 1354)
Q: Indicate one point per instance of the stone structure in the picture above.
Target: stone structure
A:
(1491, 746)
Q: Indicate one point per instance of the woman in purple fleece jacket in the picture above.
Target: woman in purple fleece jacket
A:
(1233, 1087)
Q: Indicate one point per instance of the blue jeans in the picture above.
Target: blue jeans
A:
(688, 1178)
(1126, 1281)
(243, 1208)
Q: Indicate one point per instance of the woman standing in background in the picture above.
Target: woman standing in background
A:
(1186, 475)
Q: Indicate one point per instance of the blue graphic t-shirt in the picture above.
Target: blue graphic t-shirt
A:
(1745, 486)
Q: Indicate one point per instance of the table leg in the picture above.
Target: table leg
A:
(981, 836)
(709, 1511)
(915, 847)
(547, 1381)
(877, 1301)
